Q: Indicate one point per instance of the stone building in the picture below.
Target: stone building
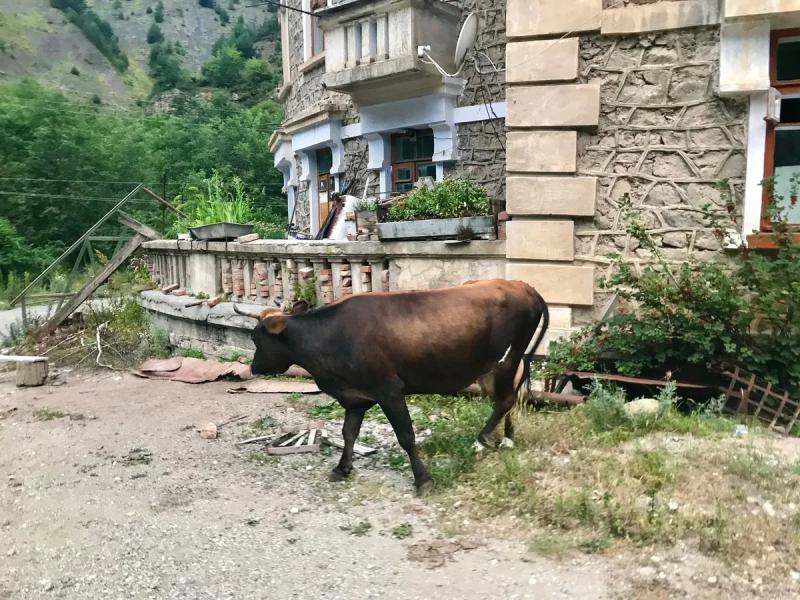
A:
(362, 109)
(589, 102)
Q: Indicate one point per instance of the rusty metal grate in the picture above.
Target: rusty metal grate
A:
(752, 396)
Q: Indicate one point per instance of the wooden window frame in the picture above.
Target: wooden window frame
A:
(414, 165)
(791, 87)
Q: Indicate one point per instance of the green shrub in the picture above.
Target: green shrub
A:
(449, 198)
(154, 34)
(696, 314)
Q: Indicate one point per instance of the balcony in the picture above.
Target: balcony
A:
(371, 47)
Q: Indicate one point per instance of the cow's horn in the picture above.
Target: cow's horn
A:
(239, 311)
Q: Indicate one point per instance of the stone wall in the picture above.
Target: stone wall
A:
(482, 158)
(665, 139)
(487, 85)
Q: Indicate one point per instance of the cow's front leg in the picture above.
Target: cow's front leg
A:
(353, 417)
(396, 410)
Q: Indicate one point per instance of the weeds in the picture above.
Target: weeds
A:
(360, 529)
(45, 414)
(403, 531)
(190, 353)
(329, 410)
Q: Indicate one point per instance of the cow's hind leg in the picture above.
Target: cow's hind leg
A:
(508, 431)
(503, 398)
(353, 417)
(396, 410)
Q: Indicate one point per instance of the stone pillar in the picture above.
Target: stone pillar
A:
(203, 273)
(546, 109)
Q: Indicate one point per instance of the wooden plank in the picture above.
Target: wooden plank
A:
(78, 242)
(95, 282)
(161, 201)
(138, 227)
(293, 439)
(283, 451)
(22, 359)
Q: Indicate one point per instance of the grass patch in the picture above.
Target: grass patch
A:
(260, 459)
(550, 546)
(360, 529)
(454, 423)
(593, 477)
(265, 423)
(329, 410)
(189, 353)
(45, 414)
(403, 531)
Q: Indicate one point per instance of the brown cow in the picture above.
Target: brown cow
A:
(376, 348)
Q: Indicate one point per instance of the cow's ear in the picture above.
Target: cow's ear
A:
(299, 307)
(275, 324)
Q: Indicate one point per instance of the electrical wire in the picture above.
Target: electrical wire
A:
(279, 5)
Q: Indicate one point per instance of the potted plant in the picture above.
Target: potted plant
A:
(453, 208)
(221, 211)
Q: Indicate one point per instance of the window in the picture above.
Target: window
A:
(412, 159)
(317, 35)
(324, 182)
(783, 137)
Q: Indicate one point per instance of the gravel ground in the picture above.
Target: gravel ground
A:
(121, 498)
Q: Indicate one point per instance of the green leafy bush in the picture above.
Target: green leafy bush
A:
(697, 314)
(449, 198)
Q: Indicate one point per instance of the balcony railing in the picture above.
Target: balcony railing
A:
(269, 271)
(371, 47)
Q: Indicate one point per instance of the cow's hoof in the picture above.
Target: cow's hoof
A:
(338, 475)
(479, 449)
(507, 443)
(424, 488)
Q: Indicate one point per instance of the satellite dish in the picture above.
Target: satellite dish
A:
(467, 38)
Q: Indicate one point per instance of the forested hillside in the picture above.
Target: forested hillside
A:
(167, 93)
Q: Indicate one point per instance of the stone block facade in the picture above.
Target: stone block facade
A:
(608, 101)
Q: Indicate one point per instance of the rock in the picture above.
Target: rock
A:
(712, 580)
(47, 585)
(768, 509)
(646, 572)
(209, 432)
(672, 505)
(643, 407)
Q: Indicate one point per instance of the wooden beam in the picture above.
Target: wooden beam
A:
(161, 201)
(95, 282)
(79, 241)
(138, 227)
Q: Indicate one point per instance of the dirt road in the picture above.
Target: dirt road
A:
(107, 491)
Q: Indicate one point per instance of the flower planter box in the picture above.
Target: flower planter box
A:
(220, 232)
(437, 229)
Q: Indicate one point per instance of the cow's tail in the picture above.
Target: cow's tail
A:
(524, 386)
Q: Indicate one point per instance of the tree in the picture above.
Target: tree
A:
(225, 68)
(158, 14)
(154, 34)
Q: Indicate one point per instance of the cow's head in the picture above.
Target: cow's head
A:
(272, 355)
